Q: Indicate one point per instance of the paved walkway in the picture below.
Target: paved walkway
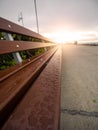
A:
(79, 92)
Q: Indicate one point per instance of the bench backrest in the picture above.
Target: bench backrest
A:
(11, 27)
(11, 46)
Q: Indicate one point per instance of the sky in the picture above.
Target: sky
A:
(60, 20)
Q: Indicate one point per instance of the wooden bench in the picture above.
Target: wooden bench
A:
(18, 80)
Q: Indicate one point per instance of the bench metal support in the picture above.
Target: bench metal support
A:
(16, 55)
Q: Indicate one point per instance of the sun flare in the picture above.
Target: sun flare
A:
(63, 37)
(67, 36)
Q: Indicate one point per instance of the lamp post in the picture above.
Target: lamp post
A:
(36, 16)
(20, 18)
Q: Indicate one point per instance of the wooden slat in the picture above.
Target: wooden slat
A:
(14, 46)
(14, 87)
(40, 107)
(11, 27)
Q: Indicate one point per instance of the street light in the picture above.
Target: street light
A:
(20, 18)
(36, 16)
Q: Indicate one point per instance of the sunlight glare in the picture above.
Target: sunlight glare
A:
(63, 37)
(67, 36)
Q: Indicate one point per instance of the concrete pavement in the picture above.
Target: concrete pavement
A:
(79, 88)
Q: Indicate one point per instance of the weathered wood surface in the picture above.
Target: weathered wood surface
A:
(10, 27)
(79, 107)
(40, 107)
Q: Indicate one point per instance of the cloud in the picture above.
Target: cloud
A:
(76, 14)
(72, 15)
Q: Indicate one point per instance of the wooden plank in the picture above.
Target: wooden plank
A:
(15, 86)
(11, 27)
(40, 108)
(14, 46)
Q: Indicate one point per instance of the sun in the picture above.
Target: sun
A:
(63, 36)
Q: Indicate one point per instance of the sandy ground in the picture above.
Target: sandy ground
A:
(79, 88)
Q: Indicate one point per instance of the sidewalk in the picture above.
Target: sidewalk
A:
(79, 88)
